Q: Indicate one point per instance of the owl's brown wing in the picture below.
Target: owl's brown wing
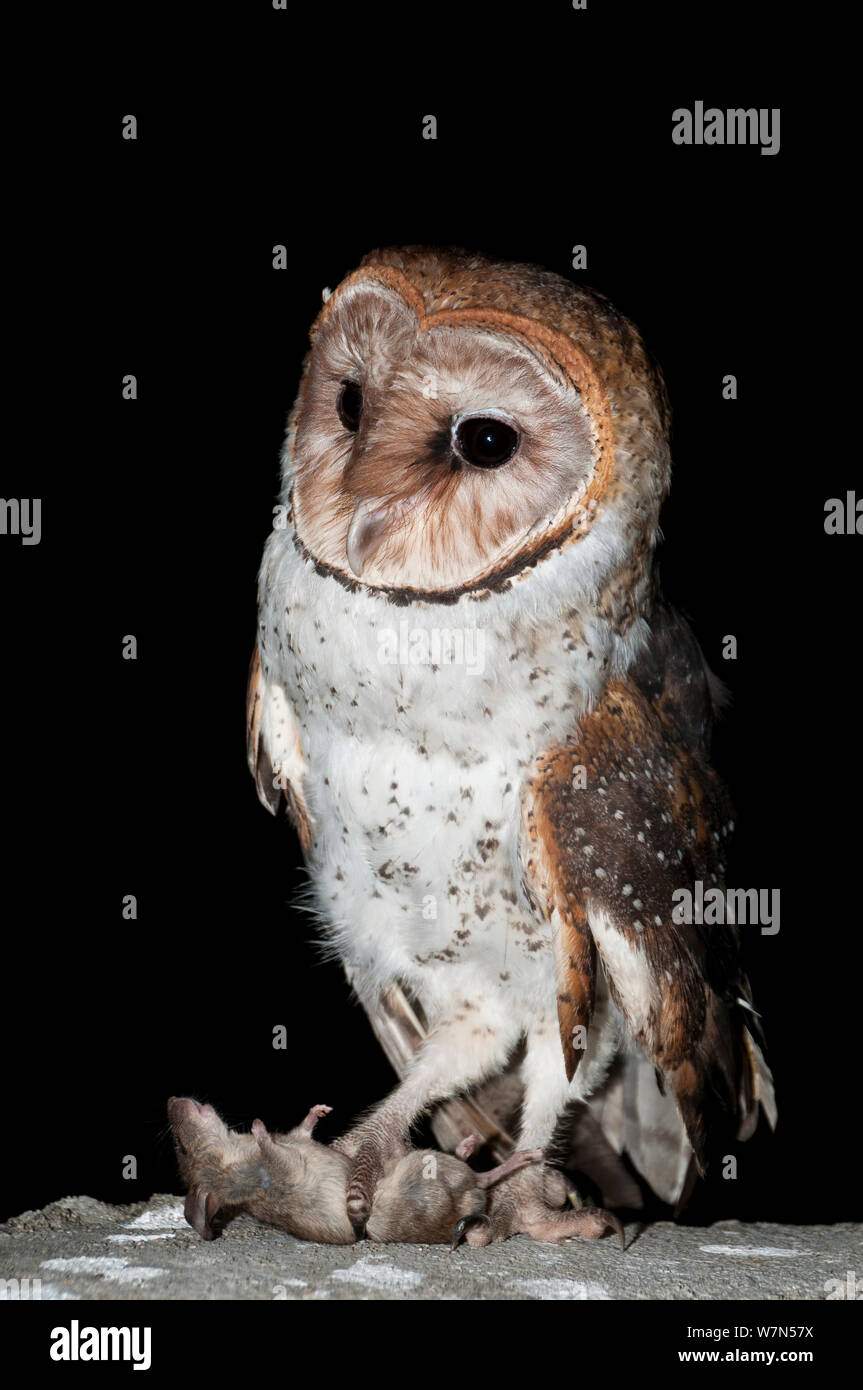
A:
(273, 748)
(613, 823)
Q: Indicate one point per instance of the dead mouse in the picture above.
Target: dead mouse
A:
(423, 1197)
(293, 1182)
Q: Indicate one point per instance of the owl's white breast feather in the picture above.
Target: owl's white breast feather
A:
(414, 764)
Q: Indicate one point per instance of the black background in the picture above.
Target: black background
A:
(257, 128)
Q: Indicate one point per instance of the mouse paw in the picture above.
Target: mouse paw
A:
(316, 1113)
(467, 1147)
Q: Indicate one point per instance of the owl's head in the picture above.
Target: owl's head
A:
(460, 419)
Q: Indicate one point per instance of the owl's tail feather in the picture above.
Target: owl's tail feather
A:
(638, 1120)
(758, 1092)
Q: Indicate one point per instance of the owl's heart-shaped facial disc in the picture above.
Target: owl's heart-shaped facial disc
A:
(430, 447)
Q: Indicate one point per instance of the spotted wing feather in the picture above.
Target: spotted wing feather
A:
(275, 757)
(615, 822)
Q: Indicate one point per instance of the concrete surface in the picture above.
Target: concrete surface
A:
(79, 1248)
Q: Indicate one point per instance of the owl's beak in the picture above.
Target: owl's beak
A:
(372, 522)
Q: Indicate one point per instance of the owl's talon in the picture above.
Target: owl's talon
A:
(477, 1226)
(458, 1234)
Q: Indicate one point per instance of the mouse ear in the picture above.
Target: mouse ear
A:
(261, 1134)
(201, 1210)
(283, 1161)
(265, 1143)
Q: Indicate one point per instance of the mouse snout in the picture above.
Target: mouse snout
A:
(182, 1108)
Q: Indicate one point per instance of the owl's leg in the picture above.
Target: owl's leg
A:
(537, 1201)
(458, 1053)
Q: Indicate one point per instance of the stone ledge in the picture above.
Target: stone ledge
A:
(82, 1249)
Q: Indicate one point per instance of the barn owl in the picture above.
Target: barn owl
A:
(492, 733)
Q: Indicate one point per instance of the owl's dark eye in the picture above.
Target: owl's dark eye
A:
(486, 442)
(350, 406)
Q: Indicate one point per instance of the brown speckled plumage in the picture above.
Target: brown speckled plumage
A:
(652, 816)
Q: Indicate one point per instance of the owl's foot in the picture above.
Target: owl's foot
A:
(530, 1203)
